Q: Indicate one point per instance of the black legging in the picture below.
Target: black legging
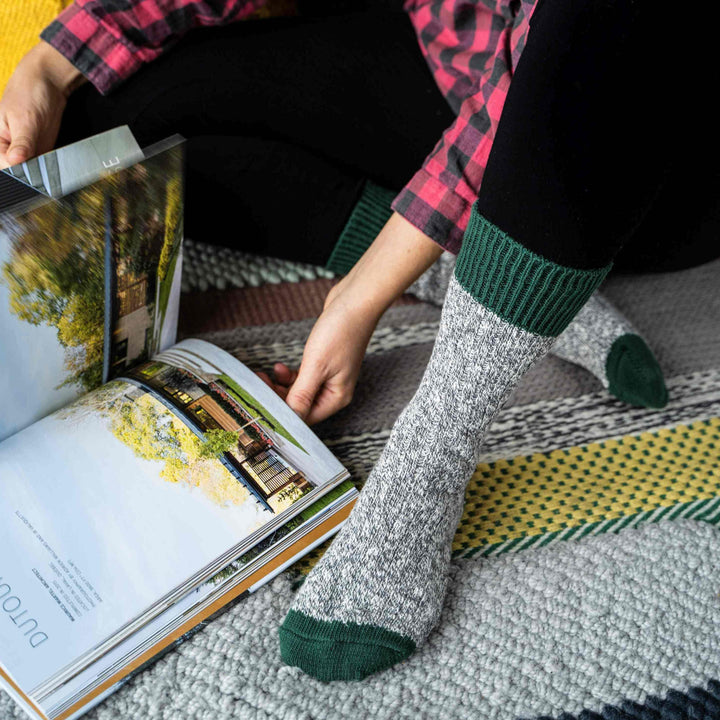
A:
(606, 138)
(286, 118)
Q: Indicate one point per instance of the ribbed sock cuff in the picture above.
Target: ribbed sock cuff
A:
(365, 222)
(518, 285)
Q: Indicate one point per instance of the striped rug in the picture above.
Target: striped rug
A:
(587, 563)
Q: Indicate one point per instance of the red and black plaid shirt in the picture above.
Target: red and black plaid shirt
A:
(471, 47)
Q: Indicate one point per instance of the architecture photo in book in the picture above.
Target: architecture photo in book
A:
(89, 280)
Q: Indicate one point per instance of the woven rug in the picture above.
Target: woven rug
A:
(587, 570)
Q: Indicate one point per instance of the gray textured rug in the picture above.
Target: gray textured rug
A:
(616, 626)
(577, 626)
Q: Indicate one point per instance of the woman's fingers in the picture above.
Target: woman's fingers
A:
(4, 143)
(302, 393)
(306, 392)
(284, 375)
(23, 137)
(15, 146)
(19, 126)
(327, 402)
(281, 390)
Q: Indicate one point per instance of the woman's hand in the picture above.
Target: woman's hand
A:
(334, 351)
(33, 103)
(332, 356)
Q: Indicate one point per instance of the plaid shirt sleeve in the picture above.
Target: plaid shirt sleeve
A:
(108, 41)
(471, 48)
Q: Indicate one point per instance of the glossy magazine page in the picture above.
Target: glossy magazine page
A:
(246, 574)
(90, 280)
(118, 504)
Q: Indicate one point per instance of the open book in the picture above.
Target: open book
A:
(145, 484)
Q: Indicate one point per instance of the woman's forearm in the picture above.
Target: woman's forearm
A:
(56, 67)
(399, 255)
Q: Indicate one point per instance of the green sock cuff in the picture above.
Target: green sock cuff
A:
(320, 647)
(521, 287)
(365, 222)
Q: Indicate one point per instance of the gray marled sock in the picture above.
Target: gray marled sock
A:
(603, 341)
(378, 591)
(599, 338)
(432, 285)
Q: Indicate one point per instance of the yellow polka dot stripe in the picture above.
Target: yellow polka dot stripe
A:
(601, 487)
(535, 500)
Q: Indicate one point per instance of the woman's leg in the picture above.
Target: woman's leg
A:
(541, 238)
(682, 228)
(285, 119)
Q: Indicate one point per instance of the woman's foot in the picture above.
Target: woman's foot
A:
(603, 341)
(377, 592)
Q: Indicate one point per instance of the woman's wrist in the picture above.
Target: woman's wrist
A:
(57, 68)
(399, 255)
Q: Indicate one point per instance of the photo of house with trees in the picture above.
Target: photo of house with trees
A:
(233, 427)
(98, 266)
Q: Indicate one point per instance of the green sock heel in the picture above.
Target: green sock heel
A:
(633, 373)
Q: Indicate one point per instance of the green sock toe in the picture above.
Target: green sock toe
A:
(634, 374)
(340, 651)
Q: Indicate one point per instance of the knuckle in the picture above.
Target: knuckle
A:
(303, 397)
(22, 140)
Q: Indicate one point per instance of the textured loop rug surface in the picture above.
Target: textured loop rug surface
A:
(586, 582)
(604, 625)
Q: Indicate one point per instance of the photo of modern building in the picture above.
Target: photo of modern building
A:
(134, 324)
(254, 460)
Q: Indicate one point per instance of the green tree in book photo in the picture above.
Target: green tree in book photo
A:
(55, 277)
(153, 433)
(217, 442)
(117, 239)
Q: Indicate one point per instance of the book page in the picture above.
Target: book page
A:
(115, 501)
(66, 169)
(294, 537)
(227, 382)
(89, 284)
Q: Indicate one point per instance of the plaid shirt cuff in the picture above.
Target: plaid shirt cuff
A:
(435, 209)
(104, 59)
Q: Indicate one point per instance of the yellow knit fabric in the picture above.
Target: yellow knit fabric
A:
(524, 502)
(516, 503)
(21, 21)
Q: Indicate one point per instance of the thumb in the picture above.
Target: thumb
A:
(22, 142)
(304, 390)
